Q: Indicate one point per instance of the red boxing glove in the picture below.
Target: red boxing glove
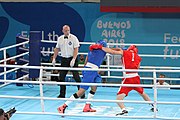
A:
(95, 47)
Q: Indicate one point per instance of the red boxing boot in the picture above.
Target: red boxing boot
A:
(62, 109)
(87, 108)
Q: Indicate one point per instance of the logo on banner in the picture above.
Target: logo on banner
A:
(169, 38)
(112, 31)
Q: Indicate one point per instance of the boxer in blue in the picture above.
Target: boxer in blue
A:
(93, 60)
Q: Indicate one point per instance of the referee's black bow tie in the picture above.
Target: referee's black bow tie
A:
(65, 37)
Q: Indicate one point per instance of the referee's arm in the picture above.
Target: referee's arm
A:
(56, 51)
(75, 53)
(76, 48)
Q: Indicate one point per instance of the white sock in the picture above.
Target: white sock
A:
(123, 109)
(90, 96)
(69, 102)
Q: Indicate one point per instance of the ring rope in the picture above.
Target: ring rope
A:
(123, 44)
(42, 98)
(87, 69)
(142, 55)
(120, 66)
(12, 46)
(89, 84)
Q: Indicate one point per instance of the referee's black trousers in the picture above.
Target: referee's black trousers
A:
(65, 62)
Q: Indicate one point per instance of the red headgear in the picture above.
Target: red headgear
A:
(133, 48)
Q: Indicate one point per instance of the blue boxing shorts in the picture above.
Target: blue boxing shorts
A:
(90, 77)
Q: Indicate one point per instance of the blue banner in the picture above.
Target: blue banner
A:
(89, 24)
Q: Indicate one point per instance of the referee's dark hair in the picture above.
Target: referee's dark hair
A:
(1, 111)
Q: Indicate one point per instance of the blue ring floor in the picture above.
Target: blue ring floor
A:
(26, 105)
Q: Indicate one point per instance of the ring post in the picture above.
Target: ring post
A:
(34, 53)
(108, 63)
(41, 89)
(155, 93)
(5, 63)
(21, 60)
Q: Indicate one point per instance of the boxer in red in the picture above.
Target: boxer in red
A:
(130, 60)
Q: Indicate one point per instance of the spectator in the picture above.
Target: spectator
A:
(162, 82)
(81, 60)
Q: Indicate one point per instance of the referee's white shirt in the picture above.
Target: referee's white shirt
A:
(67, 46)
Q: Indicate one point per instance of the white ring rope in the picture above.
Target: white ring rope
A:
(91, 84)
(81, 100)
(117, 77)
(6, 59)
(142, 55)
(120, 66)
(12, 46)
(122, 44)
(26, 53)
(88, 69)
(14, 69)
(103, 116)
(87, 100)
(41, 83)
(7, 83)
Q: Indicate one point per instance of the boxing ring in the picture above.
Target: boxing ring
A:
(40, 102)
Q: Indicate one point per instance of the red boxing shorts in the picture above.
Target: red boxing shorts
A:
(126, 90)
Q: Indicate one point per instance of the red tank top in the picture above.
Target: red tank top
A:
(130, 60)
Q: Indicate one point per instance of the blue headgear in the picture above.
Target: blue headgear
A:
(124, 48)
(102, 42)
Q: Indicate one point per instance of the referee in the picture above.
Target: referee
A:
(68, 44)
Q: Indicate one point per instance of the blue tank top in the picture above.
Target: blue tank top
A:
(96, 57)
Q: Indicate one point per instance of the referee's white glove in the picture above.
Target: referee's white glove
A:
(72, 62)
(53, 62)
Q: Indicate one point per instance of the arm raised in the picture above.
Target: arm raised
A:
(114, 51)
